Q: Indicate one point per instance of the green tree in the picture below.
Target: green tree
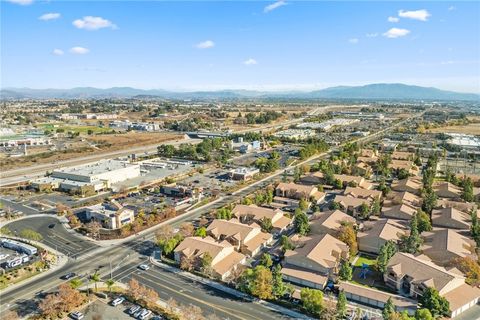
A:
(346, 272)
(375, 207)
(76, 283)
(312, 300)
(423, 314)
(201, 232)
(300, 222)
(206, 263)
(467, 193)
(224, 213)
(303, 204)
(266, 224)
(266, 260)
(436, 304)
(429, 201)
(286, 243)
(261, 284)
(334, 206)
(166, 150)
(475, 227)
(364, 210)
(413, 241)
(95, 279)
(279, 287)
(424, 223)
(388, 310)
(387, 250)
(347, 234)
(109, 283)
(341, 308)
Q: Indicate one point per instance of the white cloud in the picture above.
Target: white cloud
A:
(205, 44)
(396, 33)
(49, 16)
(21, 2)
(79, 50)
(371, 35)
(421, 15)
(353, 40)
(93, 23)
(274, 6)
(451, 8)
(393, 19)
(58, 52)
(250, 62)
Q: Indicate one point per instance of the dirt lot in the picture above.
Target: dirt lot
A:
(472, 128)
(131, 139)
(105, 143)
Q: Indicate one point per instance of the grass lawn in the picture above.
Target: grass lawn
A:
(364, 260)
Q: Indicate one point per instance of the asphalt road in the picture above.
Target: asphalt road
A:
(186, 291)
(55, 235)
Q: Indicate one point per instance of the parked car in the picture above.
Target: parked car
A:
(77, 315)
(144, 315)
(133, 310)
(118, 301)
(139, 312)
(144, 267)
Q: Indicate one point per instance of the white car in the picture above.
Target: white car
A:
(118, 301)
(77, 315)
(145, 315)
(144, 266)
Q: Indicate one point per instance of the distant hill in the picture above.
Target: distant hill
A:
(379, 91)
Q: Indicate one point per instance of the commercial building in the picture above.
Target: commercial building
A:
(110, 215)
(329, 124)
(243, 173)
(95, 176)
(295, 134)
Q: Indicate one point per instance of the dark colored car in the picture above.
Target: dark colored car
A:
(51, 226)
(69, 276)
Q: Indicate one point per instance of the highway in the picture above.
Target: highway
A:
(132, 251)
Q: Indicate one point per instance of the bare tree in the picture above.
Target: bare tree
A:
(187, 229)
(94, 228)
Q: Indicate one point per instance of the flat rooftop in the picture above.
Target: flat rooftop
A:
(96, 168)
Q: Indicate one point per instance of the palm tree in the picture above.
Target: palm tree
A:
(76, 283)
(95, 278)
(110, 283)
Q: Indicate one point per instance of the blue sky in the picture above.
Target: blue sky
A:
(272, 45)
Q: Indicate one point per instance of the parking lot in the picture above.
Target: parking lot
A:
(54, 235)
(100, 310)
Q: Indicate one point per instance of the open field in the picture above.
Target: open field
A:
(472, 128)
(133, 139)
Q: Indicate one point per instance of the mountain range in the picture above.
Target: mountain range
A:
(378, 91)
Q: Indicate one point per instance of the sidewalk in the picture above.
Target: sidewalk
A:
(62, 260)
(234, 292)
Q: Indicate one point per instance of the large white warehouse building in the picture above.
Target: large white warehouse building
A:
(99, 175)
